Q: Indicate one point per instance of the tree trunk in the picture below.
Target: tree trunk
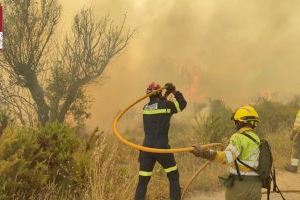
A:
(37, 92)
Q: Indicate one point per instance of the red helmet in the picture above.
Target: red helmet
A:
(152, 86)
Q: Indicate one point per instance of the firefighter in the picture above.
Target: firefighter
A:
(242, 183)
(295, 137)
(156, 118)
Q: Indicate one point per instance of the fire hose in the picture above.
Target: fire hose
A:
(176, 150)
(155, 150)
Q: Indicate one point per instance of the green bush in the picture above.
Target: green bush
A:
(31, 159)
(214, 124)
(275, 116)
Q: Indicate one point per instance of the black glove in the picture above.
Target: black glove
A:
(170, 87)
(198, 151)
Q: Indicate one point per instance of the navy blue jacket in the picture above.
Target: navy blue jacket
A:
(156, 117)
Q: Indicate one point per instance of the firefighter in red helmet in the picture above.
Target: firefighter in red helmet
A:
(156, 119)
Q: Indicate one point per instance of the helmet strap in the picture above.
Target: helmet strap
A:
(250, 124)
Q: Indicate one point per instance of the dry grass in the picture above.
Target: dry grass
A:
(281, 147)
(110, 175)
(113, 171)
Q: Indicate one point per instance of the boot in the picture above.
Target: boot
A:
(291, 168)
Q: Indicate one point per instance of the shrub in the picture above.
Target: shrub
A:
(275, 115)
(214, 124)
(31, 159)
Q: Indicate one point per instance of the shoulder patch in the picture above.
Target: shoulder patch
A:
(151, 106)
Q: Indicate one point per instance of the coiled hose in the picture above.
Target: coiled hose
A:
(155, 150)
(177, 150)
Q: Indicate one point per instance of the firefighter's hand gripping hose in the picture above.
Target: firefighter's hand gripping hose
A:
(154, 150)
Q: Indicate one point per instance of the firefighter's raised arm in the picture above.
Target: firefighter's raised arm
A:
(179, 103)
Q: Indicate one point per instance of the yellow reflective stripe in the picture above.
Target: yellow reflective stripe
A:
(251, 163)
(144, 173)
(177, 106)
(157, 111)
(170, 169)
(243, 170)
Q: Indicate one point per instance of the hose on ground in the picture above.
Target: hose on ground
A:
(185, 189)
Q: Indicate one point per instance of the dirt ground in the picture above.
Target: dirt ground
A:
(285, 181)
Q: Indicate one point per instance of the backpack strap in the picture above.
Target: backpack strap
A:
(238, 170)
(243, 163)
(252, 168)
(275, 186)
(250, 137)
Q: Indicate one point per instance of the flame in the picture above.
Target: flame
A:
(266, 94)
(193, 90)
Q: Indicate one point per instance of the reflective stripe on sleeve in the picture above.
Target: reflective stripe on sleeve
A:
(229, 156)
(144, 173)
(170, 169)
(157, 111)
(233, 149)
(245, 173)
(250, 163)
(177, 105)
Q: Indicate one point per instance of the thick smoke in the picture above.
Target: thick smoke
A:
(229, 49)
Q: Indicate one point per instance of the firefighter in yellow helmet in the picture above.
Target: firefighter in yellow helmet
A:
(242, 182)
(295, 137)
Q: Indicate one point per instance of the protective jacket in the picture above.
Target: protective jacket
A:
(156, 117)
(243, 148)
(247, 151)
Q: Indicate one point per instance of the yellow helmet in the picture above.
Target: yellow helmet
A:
(245, 114)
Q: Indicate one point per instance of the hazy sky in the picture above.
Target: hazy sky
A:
(229, 49)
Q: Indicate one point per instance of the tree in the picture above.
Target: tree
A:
(48, 81)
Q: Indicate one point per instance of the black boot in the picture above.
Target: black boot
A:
(291, 168)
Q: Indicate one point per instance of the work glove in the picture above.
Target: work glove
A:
(198, 151)
(170, 87)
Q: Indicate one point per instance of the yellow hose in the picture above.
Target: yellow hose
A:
(202, 167)
(155, 150)
(177, 150)
(148, 149)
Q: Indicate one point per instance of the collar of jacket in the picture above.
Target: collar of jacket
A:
(241, 130)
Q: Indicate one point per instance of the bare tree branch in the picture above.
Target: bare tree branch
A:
(50, 82)
(31, 26)
(87, 53)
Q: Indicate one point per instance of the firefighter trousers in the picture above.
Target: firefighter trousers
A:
(147, 162)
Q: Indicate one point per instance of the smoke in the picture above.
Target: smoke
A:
(228, 49)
